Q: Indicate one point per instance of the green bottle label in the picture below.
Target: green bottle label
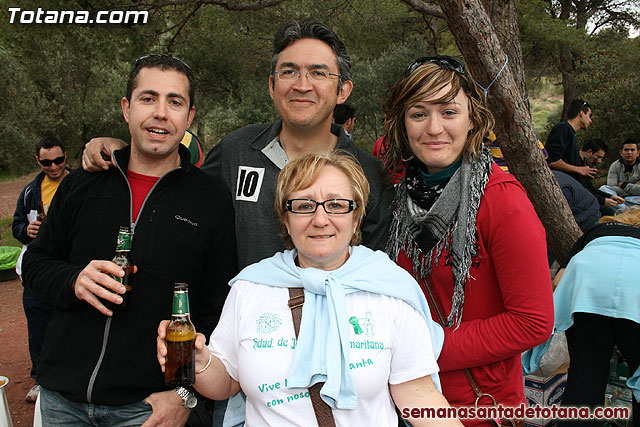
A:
(124, 242)
(180, 303)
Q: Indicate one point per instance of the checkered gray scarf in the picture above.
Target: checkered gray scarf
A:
(449, 225)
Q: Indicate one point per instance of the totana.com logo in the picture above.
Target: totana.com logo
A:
(41, 16)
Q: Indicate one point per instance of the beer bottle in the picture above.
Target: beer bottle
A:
(41, 212)
(180, 367)
(123, 260)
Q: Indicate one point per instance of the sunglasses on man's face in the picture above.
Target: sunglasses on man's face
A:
(444, 61)
(46, 162)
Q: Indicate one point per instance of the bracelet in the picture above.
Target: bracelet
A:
(205, 366)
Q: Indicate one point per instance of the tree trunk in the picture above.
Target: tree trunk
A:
(507, 31)
(567, 70)
(484, 55)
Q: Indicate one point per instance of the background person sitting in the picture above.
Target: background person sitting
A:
(592, 153)
(365, 328)
(583, 204)
(624, 173)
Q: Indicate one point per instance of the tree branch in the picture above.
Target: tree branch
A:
(424, 7)
(231, 5)
(182, 25)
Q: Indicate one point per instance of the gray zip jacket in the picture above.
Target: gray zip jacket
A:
(629, 180)
(248, 161)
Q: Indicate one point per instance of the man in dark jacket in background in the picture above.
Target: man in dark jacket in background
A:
(98, 366)
(35, 199)
(583, 204)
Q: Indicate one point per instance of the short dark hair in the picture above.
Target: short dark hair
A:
(311, 28)
(595, 145)
(164, 63)
(576, 106)
(47, 143)
(343, 112)
(631, 141)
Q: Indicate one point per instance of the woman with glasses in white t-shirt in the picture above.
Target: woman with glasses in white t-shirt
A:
(364, 343)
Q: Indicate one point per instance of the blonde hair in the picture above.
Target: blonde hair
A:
(425, 81)
(630, 217)
(303, 171)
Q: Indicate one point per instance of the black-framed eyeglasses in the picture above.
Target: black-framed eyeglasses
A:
(444, 61)
(291, 74)
(331, 206)
(162, 55)
(46, 162)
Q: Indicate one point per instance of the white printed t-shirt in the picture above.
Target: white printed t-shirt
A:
(255, 340)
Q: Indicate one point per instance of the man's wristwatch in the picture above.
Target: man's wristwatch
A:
(189, 400)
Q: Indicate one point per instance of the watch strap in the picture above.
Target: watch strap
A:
(185, 395)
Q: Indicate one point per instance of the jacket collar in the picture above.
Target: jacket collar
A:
(273, 131)
(122, 158)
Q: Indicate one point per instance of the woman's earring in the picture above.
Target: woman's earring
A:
(407, 160)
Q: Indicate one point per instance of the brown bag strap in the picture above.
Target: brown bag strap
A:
(504, 422)
(474, 385)
(320, 407)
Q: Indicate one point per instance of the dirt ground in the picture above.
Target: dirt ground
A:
(14, 351)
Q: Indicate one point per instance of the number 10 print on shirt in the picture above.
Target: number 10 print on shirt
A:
(249, 183)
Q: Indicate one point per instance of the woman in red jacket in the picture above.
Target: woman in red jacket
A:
(467, 232)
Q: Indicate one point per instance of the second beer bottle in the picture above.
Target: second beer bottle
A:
(123, 260)
(180, 367)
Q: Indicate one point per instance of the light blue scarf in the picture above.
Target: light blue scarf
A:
(597, 280)
(322, 353)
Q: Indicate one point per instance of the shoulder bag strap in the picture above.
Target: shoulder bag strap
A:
(504, 422)
(320, 407)
(474, 385)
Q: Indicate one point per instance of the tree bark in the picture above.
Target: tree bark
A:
(484, 55)
(567, 70)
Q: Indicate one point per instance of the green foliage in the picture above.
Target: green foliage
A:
(64, 80)
(68, 80)
(543, 38)
(6, 236)
(545, 114)
(611, 84)
(372, 79)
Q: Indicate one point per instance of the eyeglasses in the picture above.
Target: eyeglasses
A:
(290, 74)
(161, 55)
(332, 206)
(444, 61)
(46, 162)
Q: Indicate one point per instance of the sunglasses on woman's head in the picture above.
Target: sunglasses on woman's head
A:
(46, 162)
(444, 61)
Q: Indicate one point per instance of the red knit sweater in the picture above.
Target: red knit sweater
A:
(508, 301)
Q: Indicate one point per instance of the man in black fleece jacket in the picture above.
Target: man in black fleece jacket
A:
(97, 365)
